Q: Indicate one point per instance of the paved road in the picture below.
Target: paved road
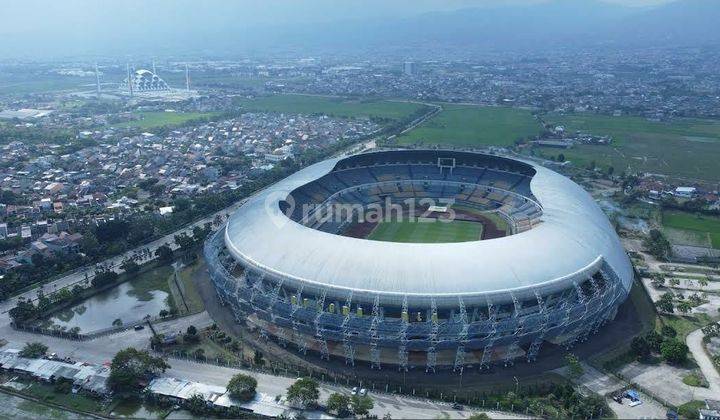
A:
(603, 384)
(101, 350)
(694, 342)
(80, 276)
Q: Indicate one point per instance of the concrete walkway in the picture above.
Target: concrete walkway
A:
(694, 342)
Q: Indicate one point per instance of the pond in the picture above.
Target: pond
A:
(147, 294)
(136, 409)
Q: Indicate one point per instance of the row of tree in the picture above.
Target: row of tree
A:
(664, 343)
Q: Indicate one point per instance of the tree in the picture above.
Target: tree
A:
(674, 282)
(573, 363)
(684, 306)
(338, 403)
(658, 280)
(164, 254)
(361, 405)
(63, 385)
(196, 405)
(130, 366)
(191, 335)
(184, 241)
(104, 277)
(23, 311)
(665, 303)
(303, 392)
(479, 416)
(657, 244)
(242, 387)
(654, 340)
(33, 350)
(130, 266)
(258, 358)
(640, 347)
(199, 354)
(668, 331)
(674, 351)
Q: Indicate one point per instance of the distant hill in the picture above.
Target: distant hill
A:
(553, 24)
(685, 22)
(227, 29)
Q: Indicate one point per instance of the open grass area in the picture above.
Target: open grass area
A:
(188, 294)
(684, 148)
(690, 410)
(331, 106)
(427, 232)
(470, 125)
(15, 407)
(47, 392)
(153, 119)
(500, 222)
(694, 379)
(694, 226)
(684, 325)
(21, 85)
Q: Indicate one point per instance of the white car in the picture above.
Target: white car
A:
(363, 392)
(354, 391)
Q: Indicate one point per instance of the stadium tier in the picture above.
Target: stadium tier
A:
(528, 259)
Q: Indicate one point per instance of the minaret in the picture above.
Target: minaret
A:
(154, 72)
(97, 80)
(187, 78)
(129, 82)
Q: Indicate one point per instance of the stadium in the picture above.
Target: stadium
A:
(421, 259)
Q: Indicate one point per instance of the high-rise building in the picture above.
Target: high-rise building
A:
(410, 68)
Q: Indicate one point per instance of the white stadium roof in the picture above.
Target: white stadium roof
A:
(570, 243)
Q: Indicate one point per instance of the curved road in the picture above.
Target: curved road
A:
(694, 342)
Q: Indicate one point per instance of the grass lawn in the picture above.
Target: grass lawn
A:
(500, 222)
(331, 106)
(684, 148)
(469, 125)
(185, 279)
(431, 232)
(684, 325)
(79, 402)
(689, 410)
(152, 119)
(693, 379)
(696, 225)
(20, 85)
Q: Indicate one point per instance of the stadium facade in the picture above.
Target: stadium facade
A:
(556, 274)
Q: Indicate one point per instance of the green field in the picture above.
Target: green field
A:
(429, 232)
(153, 119)
(469, 125)
(331, 106)
(684, 148)
(694, 224)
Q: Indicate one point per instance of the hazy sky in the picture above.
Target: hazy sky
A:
(40, 27)
(27, 16)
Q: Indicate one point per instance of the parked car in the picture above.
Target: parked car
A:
(457, 406)
(139, 327)
(354, 391)
(363, 392)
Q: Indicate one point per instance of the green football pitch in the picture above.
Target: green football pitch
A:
(427, 232)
